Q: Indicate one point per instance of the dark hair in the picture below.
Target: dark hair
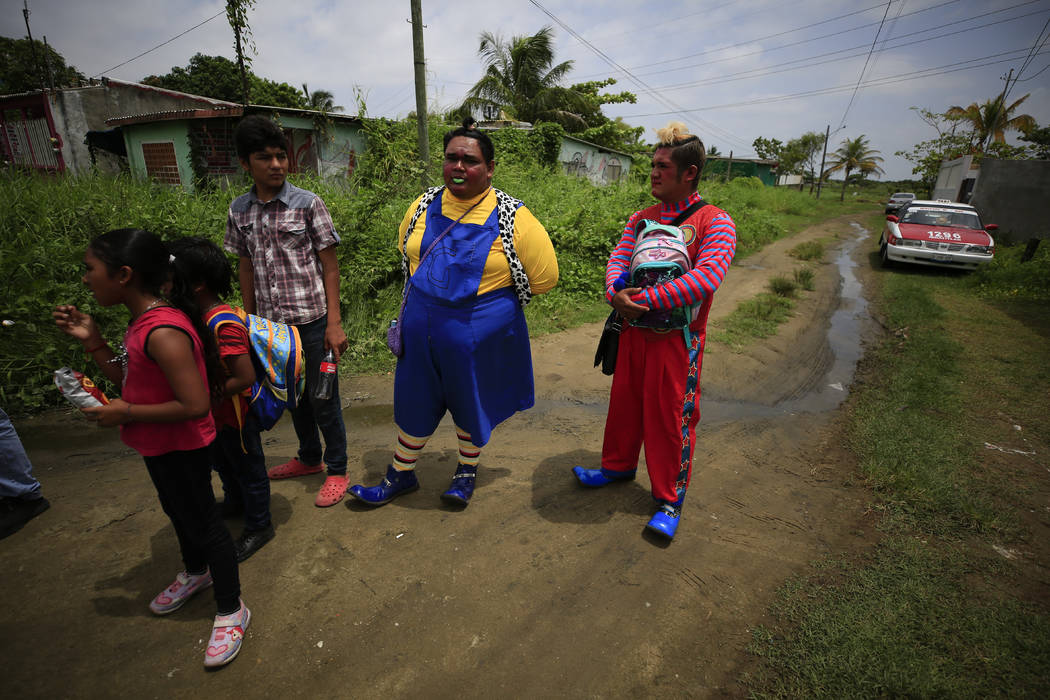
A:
(199, 261)
(150, 262)
(470, 130)
(686, 149)
(142, 251)
(257, 133)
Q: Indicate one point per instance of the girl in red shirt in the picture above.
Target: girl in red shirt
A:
(167, 371)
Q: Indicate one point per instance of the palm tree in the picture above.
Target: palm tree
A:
(522, 81)
(321, 100)
(991, 119)
(855, 154)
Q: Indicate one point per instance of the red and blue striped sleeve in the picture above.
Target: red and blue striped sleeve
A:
(712, 262)
(620, 259)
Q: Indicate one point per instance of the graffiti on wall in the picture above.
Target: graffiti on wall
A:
(599, 168)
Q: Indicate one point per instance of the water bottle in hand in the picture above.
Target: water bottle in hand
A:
(326, 376)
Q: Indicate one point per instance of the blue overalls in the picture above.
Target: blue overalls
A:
(464, 353)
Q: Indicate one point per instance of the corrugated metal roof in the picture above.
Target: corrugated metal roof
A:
(222, 109)
(171, 114)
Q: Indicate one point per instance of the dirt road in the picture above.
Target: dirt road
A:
(538, 589)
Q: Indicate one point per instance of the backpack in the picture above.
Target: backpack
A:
(661, 255)
(277, 354)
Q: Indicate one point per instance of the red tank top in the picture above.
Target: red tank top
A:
(145, 383)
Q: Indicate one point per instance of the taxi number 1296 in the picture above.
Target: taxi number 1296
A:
(943, 236)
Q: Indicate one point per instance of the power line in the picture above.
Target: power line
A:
(673, 20)
(1036, 45)
(795, 43)
(899, 41)
(761, 38)
(99, 75)
(865, 67)
(878, 82)
(736, 77)
(638, 81)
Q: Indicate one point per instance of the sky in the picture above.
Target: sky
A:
(732, 71)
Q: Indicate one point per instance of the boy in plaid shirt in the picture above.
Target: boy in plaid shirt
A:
(288, 271)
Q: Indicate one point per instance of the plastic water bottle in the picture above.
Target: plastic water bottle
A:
(326, 376)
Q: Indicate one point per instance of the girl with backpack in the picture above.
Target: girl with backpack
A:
(167, 370)
(203, 275)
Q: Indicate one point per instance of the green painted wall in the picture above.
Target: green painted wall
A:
(741, 169)
(333, 153)
(173, 132)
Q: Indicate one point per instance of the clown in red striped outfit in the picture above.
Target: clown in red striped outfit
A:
(656, 387)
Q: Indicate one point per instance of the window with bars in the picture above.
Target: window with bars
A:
(161, 163)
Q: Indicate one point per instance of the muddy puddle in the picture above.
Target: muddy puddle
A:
(844, 340)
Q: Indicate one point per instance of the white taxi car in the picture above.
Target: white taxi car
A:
(937, 232)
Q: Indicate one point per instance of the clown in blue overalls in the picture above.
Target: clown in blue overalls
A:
(466, 345)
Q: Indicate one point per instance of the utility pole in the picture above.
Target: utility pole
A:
(47, 64)
(1002, 108)
(729, 166)
(421, 88)
(820, 176)
(32, 46)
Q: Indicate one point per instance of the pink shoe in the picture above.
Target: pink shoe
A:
(175, 596)
(226, 636)
(331, 492)
(293, 468)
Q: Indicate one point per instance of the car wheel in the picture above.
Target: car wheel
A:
(884, 254)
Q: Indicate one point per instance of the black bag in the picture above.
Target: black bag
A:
(608, 344)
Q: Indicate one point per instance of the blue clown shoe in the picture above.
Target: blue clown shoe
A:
(596, 478)
(394, 484)
(665, 521)
(462, 487)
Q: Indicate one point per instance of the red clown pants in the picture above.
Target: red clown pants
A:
(655, 400)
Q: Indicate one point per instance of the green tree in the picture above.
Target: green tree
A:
(522, 80)
(271, 93)
(219, 78)
(803, 153)
(767, 149)
(991, 120)
(24, 67)
(321, 100)
(1039, 137)
(855, 154)
(599, 129)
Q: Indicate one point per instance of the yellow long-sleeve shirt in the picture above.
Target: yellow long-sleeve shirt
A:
(531, 242)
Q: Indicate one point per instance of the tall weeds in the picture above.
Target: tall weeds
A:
(49, 221)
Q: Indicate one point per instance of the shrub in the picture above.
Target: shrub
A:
(782, 286)
(804, 278)
(808, 250)
(48, 222)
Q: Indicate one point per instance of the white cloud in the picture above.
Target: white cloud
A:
(339, 45)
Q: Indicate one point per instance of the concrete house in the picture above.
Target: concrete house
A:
(65, 130)
(172, 137)
(724, 166)
(1010, 193)
(180, 146)
(598, 164)
(581, 158)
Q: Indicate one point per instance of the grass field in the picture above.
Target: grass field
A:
(951, 427)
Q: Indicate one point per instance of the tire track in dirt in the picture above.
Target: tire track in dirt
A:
(539, 588)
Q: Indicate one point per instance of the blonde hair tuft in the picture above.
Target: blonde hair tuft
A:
(673, 133)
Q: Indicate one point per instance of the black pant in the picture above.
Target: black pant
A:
(237, 456)
(183, 481)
